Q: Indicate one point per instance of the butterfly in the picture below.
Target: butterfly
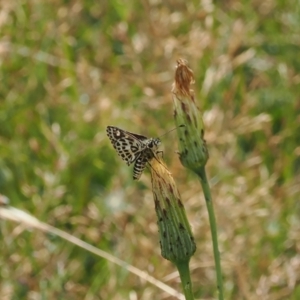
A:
(133, 148)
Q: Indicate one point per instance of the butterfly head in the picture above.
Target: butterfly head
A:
(153, 143)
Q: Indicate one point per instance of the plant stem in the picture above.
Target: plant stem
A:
(213, 228)
(185, 276)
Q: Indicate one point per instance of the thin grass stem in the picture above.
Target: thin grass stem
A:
(213, 228)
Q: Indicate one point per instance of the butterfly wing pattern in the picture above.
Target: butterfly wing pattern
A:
(133, 148)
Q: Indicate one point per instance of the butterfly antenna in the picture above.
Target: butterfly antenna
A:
(182, 125)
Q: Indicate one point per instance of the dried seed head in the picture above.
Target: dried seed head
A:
(184, 77)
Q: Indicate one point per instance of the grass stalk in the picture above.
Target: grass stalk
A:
(185, 276)
(213, 228)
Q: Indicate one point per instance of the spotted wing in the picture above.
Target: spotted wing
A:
(127, 144)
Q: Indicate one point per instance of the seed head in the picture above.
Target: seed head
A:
(192, 146)
(176, 238)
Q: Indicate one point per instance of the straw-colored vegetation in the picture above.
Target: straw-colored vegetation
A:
(70, 68)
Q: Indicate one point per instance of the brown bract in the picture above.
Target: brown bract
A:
(162, 182)
(184, 77)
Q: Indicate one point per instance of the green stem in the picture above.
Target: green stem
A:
(185, 276)
(213, 228)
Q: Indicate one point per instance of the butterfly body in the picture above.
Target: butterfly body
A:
(133, 148)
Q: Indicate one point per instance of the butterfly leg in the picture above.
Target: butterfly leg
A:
(160, 152)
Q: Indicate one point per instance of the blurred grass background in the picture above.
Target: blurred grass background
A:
(70, 68)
